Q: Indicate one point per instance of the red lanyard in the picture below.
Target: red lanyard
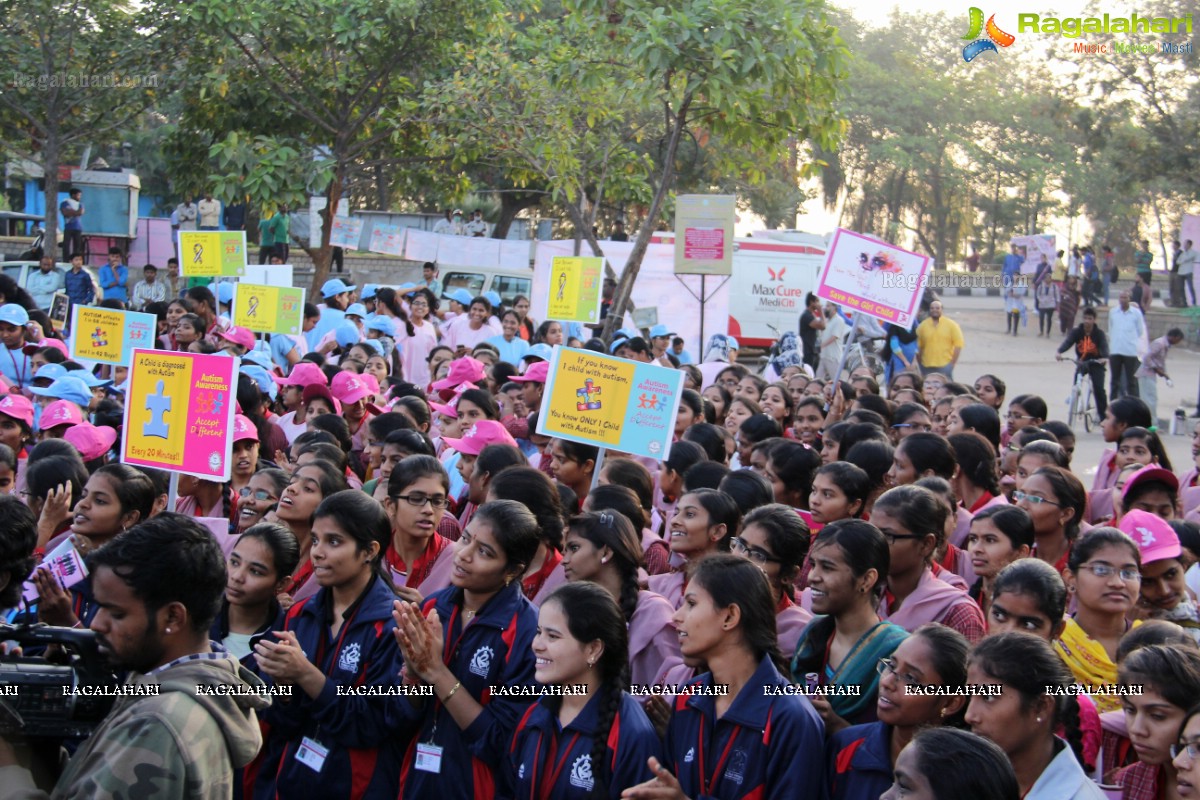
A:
(20, 373)
(424, 563)
(551, 780)
(301, 577)
(533, 584)
(705, 782)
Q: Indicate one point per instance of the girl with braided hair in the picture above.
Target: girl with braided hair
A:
(1035, 698)
(585, 745)
(603, 549)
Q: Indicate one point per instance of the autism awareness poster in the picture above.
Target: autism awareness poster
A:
(179, 415)
(268, 309)
(610, 402)
(866, 274)
(212, 254)
(346, 232)
(573, 290)
(109, 336)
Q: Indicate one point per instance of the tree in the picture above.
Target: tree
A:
(341, 78)
(755, 72)
(90, 69)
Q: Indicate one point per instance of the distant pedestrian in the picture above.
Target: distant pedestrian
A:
(1068, 305)
(1187, 270)
(72, 211)
(1125, 329)
(939, 342)
(1142, 259)
(1110, 272)
(188, 213)
(1154, 366)
(1045, 297)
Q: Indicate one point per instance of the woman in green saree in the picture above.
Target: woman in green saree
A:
(841, 648)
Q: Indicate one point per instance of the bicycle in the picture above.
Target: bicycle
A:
(1081, 400)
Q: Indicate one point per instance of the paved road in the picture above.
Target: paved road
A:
(1026, 363)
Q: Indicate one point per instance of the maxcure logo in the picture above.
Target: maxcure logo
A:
(995, 36)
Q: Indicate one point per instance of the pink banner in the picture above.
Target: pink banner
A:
(866, 274)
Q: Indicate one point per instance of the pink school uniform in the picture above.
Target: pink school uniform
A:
(934, 600)
(653, 639)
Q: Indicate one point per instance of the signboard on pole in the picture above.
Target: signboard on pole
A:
(268, 309)
(60, 307)
(704, 234)
(572, 290)
(110, 336)
(212, 254)
(610, 402)
(179, 413)
(866, 274)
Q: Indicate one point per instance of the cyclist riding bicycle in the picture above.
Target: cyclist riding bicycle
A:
(1091, 351)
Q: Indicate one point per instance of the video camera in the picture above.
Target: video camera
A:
(58, 696)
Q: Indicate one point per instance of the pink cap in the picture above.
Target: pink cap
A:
(320, 390)
(18, 407)
(243, 428)
(1150, 473)
(481, 434)
(537, 373)
(445, 409)
(57, 344)
(462, 370)
(60, 412)
(1155, 538)
(350, 388)
(92, 441)
(304, 373)
(239, 336)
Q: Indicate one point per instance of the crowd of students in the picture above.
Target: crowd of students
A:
(803, 599)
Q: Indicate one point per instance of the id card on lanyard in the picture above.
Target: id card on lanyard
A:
(429, 755)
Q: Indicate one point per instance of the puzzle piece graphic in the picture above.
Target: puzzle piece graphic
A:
(99, 337)
(158, 405)
(589, 397)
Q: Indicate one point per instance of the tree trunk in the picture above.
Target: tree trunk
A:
(620, 302)
(50, 156)
(512, 204)
(323, 255)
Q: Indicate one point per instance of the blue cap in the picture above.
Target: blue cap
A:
(14, 314)
(67, 387)
(629, 333)
(374, 344)
(368, 291)
(543, 351)
(661, 330)
(225, 292)
(357, 310)
(259, 357)
(382, 323)
(733, 343)
(346, 334)
(459, 295)
(261, 377)
(616, 344)
(493, 298)
(51, 372)
(335, 286)
(87, 377)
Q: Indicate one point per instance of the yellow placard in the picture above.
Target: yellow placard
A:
(211, 254)
(589, 397)
(574, 291)
(164, 380)
(268, 309)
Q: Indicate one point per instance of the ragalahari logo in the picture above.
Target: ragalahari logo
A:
(995, 36)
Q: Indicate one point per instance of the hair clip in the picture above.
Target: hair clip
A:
(606, 519)
(1153, 429)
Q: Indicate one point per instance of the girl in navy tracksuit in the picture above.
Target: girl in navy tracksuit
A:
(467, 638)
(320, 743)
(860, 757)
(260, 566)
(757, 742)
(578, 747)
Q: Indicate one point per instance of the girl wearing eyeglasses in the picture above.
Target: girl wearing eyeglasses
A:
(474, 634)
(602, 548)
(420, 558)
(748, 743)
(704, 523)
(864, 756)
(1056, 501)
(908, 419)
(845, 641)
(1024, 411)
(1104, 575)
(1023, 719)
(1185, 756)
(1167, 680)
(776, 539)
(259, 496)
(912, 521)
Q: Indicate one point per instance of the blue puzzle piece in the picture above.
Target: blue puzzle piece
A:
(158, 405)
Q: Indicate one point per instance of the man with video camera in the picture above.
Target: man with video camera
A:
(170, 734)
